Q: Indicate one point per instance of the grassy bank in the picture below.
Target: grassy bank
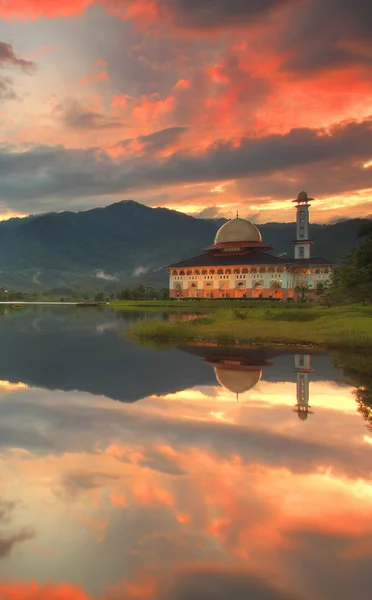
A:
(193, 305)
(340, 327)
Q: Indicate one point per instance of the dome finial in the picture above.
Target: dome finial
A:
(237, 213)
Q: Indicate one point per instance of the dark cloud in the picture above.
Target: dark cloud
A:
(6, 509)
(44, 171)
(213, 584)
(328, 33)
(76, 481)
(6, 89)
(7, 542)
(8, 58)
(216, 13)
(77, 117)
(163, 138)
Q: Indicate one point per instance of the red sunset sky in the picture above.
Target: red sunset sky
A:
(204, 106)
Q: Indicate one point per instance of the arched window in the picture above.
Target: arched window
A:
(204, 271)
(262, 270)
(220, 271)
(236, 271)
(197, 272)
(253, 270)
(245, 270)
(212, 272)
(271, 270)
(182, 272)
(188, 272)
(241, 284)
(228, 271)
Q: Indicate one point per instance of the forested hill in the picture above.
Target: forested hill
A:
(129, 243)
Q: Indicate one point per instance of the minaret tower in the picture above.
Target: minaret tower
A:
(303, 370)
(302, 242)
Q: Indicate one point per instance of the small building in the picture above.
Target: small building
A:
(240, 265)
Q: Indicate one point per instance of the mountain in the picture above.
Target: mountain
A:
(128, 243)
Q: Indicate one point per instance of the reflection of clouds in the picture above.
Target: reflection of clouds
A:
(184, 479)
(8, 540)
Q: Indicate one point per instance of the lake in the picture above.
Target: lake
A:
(131, 472)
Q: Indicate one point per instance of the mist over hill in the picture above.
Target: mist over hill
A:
(128, 243)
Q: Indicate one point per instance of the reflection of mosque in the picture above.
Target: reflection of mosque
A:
(239, 370)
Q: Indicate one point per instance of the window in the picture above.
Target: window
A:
(302, 252)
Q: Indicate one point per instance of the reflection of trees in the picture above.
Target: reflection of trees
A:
(357, 370)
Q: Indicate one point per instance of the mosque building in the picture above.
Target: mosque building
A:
(239, 265)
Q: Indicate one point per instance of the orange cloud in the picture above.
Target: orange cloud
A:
(33, 9)
(33, 591)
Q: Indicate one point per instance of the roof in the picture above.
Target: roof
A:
(210, 260)
(317, 260)
(250, 258)
(238, 230)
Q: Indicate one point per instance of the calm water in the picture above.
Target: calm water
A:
(182, 474)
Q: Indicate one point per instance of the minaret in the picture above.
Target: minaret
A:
(302, 242)
(303, 369)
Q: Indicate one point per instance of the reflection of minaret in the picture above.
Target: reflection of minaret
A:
(303, 369)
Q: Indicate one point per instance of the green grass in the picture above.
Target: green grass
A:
(339, 327)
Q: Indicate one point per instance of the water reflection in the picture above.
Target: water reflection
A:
(186, 493)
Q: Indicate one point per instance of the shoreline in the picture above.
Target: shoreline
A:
(340, 328)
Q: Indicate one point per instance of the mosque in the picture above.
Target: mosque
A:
(239, 265)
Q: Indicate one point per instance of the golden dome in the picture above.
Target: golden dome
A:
(237, 382)
(238, 230)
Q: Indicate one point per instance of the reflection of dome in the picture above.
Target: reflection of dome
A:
(302, 415)
(238, 381)
(238, 230)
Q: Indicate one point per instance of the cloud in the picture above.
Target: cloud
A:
(7, 542)
(106, 276)
(6, 89)
(30, 591)
(8, 58)
(140, 271)
(45, 171)
(213, 584)
(161, 139)
(34, 9)
(341, 31)
(76, 116)
(6, 509)
(202, 15)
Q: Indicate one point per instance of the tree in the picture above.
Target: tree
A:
(357, 370)
(352, 281)
(303, 289)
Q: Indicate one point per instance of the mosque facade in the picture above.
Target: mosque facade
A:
(239, 265)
